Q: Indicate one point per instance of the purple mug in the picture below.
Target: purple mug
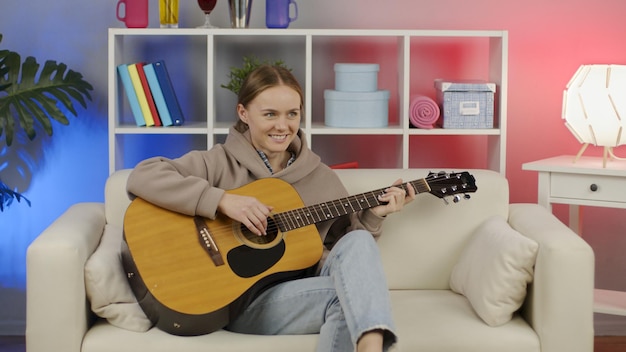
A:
(277, 13)
(135, 13)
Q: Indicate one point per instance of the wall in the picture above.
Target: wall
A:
(547, 43)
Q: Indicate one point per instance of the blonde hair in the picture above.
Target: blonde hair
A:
(262, 78)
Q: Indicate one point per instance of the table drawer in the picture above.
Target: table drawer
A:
(590, 187)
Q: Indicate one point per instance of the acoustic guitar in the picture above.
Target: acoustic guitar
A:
(192, 275)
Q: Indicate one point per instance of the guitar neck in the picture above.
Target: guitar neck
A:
(296, 218)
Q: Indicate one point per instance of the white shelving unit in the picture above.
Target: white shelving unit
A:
(197, 56)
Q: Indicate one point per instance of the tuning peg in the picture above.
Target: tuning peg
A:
(467, 196)
(456, 198)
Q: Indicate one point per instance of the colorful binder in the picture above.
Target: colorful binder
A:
(148, 92)
(141, 95)
(168, 93)
(131, 94)
(157, 95)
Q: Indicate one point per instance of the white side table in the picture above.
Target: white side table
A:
(584, 182)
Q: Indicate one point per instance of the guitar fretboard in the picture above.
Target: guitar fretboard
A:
(293, 219)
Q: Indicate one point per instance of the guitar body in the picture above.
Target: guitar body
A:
(192, 282)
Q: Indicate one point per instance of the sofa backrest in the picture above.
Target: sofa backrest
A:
(420, 244)
(116, 199)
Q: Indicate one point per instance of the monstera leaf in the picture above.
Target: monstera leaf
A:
(34, 97)
(31, 96)
(7, 195)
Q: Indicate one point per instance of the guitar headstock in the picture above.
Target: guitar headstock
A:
(444, 184)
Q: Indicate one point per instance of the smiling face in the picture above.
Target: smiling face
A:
(273, 118)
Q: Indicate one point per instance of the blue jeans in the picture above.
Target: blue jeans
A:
(349, 298)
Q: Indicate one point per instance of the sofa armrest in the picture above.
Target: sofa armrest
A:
(57, 314)
(559, 304)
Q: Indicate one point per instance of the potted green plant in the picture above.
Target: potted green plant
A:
(29, 97)
(237, 75)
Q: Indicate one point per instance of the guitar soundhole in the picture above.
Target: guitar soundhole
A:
(252, 238)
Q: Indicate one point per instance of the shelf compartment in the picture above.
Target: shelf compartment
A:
(189, 80)
(370, 151)
(327, 50)
(133, 148)
(448, 151)
(229, 51)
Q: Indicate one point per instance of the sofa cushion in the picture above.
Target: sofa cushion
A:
(494, 270)
(106, 285)
(426, 320)
(443, 321)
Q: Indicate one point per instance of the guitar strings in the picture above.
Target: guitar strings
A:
(296, 218)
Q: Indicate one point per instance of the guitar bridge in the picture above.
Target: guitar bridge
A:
(207, 242)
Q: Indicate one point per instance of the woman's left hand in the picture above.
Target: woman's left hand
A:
(395, 199)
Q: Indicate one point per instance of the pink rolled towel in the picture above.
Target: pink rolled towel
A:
(423, 111)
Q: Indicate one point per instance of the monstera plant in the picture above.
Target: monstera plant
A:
(30, 98)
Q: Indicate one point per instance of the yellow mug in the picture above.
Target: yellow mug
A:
(168, 13)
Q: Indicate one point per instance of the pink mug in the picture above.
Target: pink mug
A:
(135, 13)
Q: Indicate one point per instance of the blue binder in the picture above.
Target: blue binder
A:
(169, 94)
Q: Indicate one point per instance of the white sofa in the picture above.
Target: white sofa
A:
(420, 247)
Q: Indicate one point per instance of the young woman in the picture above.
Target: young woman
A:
(346, 300)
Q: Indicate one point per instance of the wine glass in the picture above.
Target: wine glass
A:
(207, 6)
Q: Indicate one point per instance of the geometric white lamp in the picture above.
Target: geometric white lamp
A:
(594, 107)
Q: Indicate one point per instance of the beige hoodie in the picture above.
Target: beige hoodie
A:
(194, 183)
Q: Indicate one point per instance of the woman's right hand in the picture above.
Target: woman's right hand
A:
(247, 210)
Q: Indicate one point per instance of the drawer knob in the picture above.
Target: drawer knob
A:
(593, 187)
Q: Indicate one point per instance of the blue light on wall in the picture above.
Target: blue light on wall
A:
(69, 167)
